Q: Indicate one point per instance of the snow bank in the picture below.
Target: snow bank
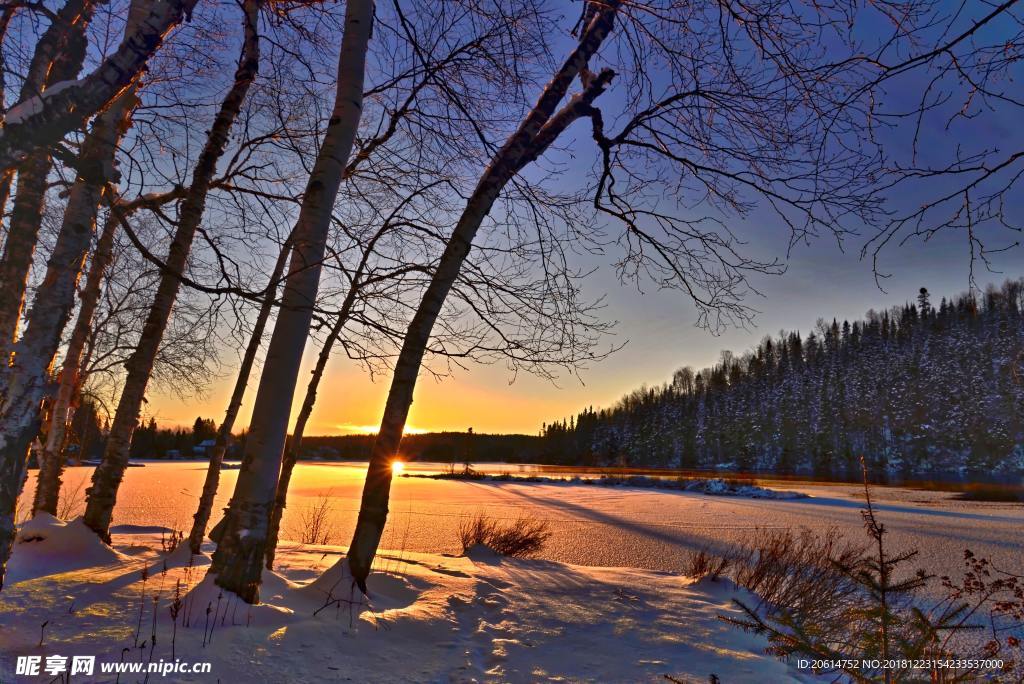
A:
(428, 618)
(211, 603)
(720, 487)
(46, 545)
(336, 587)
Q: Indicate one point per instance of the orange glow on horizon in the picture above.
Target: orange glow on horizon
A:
(349, 429)
(483, 400)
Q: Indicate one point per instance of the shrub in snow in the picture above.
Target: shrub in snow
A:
(521, 538)
(314, 523)
(861, 610)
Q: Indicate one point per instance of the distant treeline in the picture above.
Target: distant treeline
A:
(150, 441)
(920, 389)
(87, 437)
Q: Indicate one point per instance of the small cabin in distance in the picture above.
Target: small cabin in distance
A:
(203, 448)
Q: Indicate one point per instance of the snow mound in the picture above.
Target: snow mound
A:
(181, 557)
(46, 545)
(720, 487)
(284, 603)
(223, 607)
(337, 586)
(481, 553)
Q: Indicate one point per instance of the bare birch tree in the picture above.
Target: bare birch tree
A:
(525, 145)
(295, 442)
(727, 100)
(205, 508)
(102, 495)
(238, 560)
(97, 164)
(42, 120)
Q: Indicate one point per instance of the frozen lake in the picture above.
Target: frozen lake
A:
(604, 526)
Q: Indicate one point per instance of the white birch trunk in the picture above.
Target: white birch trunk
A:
(41, 120)
(238, 560)
(106, 479)
(6, 179)
(535, 134)
(202, 516)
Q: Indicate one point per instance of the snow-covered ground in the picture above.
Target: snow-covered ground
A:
(430, 618)
(607, 602)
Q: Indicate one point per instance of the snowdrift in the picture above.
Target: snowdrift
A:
(428, 617)
(46, 545)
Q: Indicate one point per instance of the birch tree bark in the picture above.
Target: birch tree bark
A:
(29, 377)
(20, 246)
(6, 179)
(58, 55)
(202, 515)
(26, 380)
(291, 454)
(43, 119)
(238, 560)
(51, 459)
(107, 477)
(97, 170)
(536, 132)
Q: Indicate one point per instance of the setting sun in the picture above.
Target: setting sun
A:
(397, 467)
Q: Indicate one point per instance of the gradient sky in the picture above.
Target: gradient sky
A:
(657, 327)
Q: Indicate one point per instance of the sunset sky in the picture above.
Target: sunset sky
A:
(658, 327)
(659, 334)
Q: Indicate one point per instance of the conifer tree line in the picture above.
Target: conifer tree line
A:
(922, 389)
(87, 430)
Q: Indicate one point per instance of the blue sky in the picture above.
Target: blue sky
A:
(657, 327)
